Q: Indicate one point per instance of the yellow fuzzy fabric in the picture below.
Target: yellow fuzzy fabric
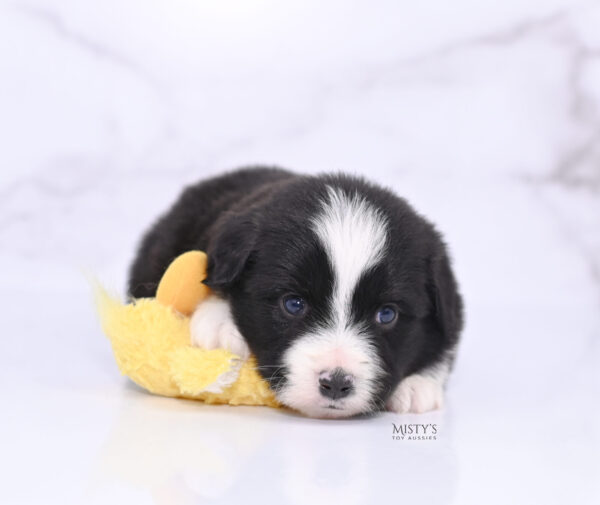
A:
(152, 346)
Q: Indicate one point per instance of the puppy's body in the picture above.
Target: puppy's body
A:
(341, 291)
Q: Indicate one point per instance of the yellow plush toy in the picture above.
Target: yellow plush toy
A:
(152, 345)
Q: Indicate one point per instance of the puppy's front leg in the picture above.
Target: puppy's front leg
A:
(212, 327)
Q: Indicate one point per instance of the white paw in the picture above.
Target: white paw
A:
(417, 394)
(212, 327)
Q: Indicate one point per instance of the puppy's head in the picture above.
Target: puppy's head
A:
(340, 290)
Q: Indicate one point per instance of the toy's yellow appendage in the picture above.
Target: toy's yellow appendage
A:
(181, 285)
(151, 344)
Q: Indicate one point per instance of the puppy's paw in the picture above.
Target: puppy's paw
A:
(417, 394)
(231, 339)
(212, 327)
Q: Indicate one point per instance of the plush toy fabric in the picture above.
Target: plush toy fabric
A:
(151, 342)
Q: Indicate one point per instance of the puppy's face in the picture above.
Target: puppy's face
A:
(337, 300)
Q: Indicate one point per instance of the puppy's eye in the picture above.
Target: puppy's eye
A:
(293, 304)
(386, 315)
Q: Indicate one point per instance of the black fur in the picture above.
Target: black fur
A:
(194, 221)
(253, 223)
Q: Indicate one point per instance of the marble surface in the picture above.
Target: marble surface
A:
(485, 115)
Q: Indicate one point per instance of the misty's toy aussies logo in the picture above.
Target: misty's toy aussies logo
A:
(414, 431)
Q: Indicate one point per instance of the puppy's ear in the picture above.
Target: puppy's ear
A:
(447, 302)
(228, 252)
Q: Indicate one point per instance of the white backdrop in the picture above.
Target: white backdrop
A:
(485, 115)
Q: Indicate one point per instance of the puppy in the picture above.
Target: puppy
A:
(343, 293)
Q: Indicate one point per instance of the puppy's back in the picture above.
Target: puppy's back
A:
(187, 224)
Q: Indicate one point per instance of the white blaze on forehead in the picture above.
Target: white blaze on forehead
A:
(353, 233)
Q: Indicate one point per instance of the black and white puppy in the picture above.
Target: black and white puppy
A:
(342, 292)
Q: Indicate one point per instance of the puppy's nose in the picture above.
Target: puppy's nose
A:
(336, 383)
